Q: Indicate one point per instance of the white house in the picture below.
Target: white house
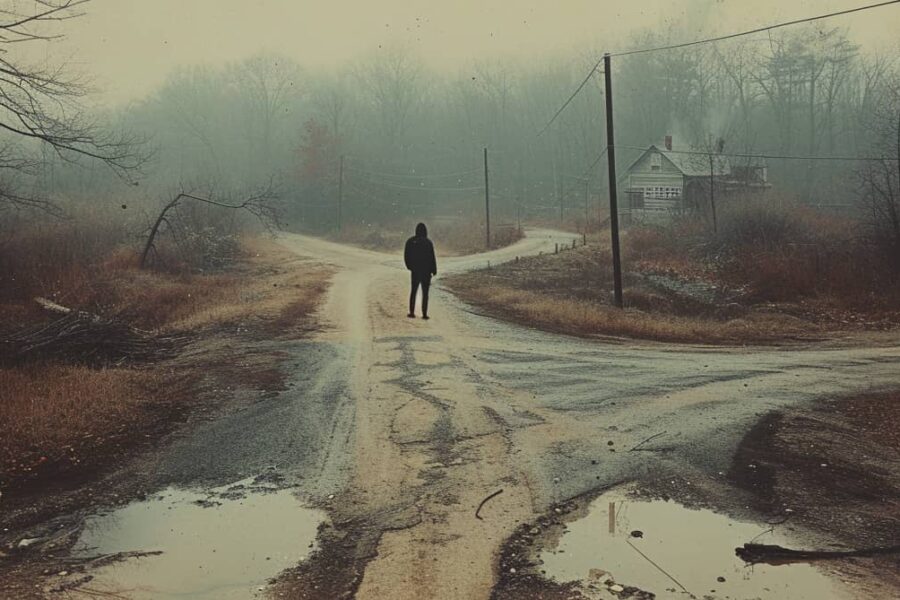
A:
(663, 180)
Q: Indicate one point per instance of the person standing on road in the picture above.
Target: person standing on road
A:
(419, 258)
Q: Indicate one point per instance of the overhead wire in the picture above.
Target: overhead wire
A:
(706, 41)
(757, 30)
(769, 156)
(410, 176)
(572, 97)
(425, 189)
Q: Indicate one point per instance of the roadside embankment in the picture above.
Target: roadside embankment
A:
(65, 416)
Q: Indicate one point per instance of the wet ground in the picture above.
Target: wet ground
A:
(398, 429)
(662, 547)
(221, 543)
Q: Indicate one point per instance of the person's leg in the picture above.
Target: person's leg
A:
(414, 284)
(426, 284)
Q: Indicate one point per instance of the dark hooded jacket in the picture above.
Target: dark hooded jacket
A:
(419, 253)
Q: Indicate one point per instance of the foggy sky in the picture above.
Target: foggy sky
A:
(127, 47)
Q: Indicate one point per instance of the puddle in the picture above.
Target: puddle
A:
(222, 544)
(695, 547)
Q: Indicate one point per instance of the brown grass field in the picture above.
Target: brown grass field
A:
(63, 417)
(769, 274)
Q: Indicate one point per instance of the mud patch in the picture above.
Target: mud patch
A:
(224, 543)
(833, 467)
(618, 546)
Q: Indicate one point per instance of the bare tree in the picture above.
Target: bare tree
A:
(881, 179)
(393, 83)
(40, 103)
(269, 84)
(259, 202)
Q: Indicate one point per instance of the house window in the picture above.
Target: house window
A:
(655, 161)
(662, 192)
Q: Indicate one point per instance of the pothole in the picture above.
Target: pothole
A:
(222, 543)
(624, 546)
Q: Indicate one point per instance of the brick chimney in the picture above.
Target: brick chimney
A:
(668, 142)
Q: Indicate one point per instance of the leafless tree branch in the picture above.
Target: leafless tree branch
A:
(41, 103)
(260, 203)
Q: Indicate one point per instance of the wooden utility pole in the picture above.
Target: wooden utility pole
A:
(340, 206)
(587, 196)
(487, 203)
(613, 200)
(557, 184)
(519, 214)
(712, 193)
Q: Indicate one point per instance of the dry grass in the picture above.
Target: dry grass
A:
(770, 273)
(582, 317)
(87, 266)
(50, 411)
(54, 415)
(777, 251)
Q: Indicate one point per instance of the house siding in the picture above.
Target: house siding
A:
(664, 181)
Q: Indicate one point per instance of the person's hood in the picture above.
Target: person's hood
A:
(421, 230)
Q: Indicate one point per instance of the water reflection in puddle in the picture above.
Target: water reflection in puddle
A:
(696, 547)
(221, 544)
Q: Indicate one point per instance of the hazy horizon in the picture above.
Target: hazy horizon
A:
(127, 48)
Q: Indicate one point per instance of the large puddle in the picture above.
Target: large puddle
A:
(220, 544)
(674, 552)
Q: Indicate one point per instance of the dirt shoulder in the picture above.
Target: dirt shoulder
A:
(832, 467)
(570, 292)
(66, 425)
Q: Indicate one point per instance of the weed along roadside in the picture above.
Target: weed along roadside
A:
(685, 283)
(81, 404)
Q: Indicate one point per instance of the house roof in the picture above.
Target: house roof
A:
(691, 164)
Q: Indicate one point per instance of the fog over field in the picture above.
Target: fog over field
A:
(410, 94)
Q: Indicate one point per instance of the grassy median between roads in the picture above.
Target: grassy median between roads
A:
(65, 418)
(770, 273)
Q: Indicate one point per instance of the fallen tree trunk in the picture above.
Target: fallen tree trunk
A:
(774, 554)
(83, 338)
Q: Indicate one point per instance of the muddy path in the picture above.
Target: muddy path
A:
(449, 411)
(396, 429)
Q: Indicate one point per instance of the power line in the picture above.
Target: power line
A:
(425, 189)
(406, 176)
(586, 172)
(705, 41)
(768, 156)
(572, 97)
(757, 30)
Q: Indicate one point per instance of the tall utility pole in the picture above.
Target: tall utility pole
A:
(340, 193)
(712, 193)
(587, 196)
(487, 203)
(519, 214)
(613, 199)
(558, 187)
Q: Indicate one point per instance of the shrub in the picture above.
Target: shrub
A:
(762, 226)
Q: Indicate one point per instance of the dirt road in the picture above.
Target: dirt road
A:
(441, 414)
(397, 429)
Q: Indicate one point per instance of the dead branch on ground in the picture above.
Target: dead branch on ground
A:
(637, 446)
(84, 338)
(775, 555)
(483, 502)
